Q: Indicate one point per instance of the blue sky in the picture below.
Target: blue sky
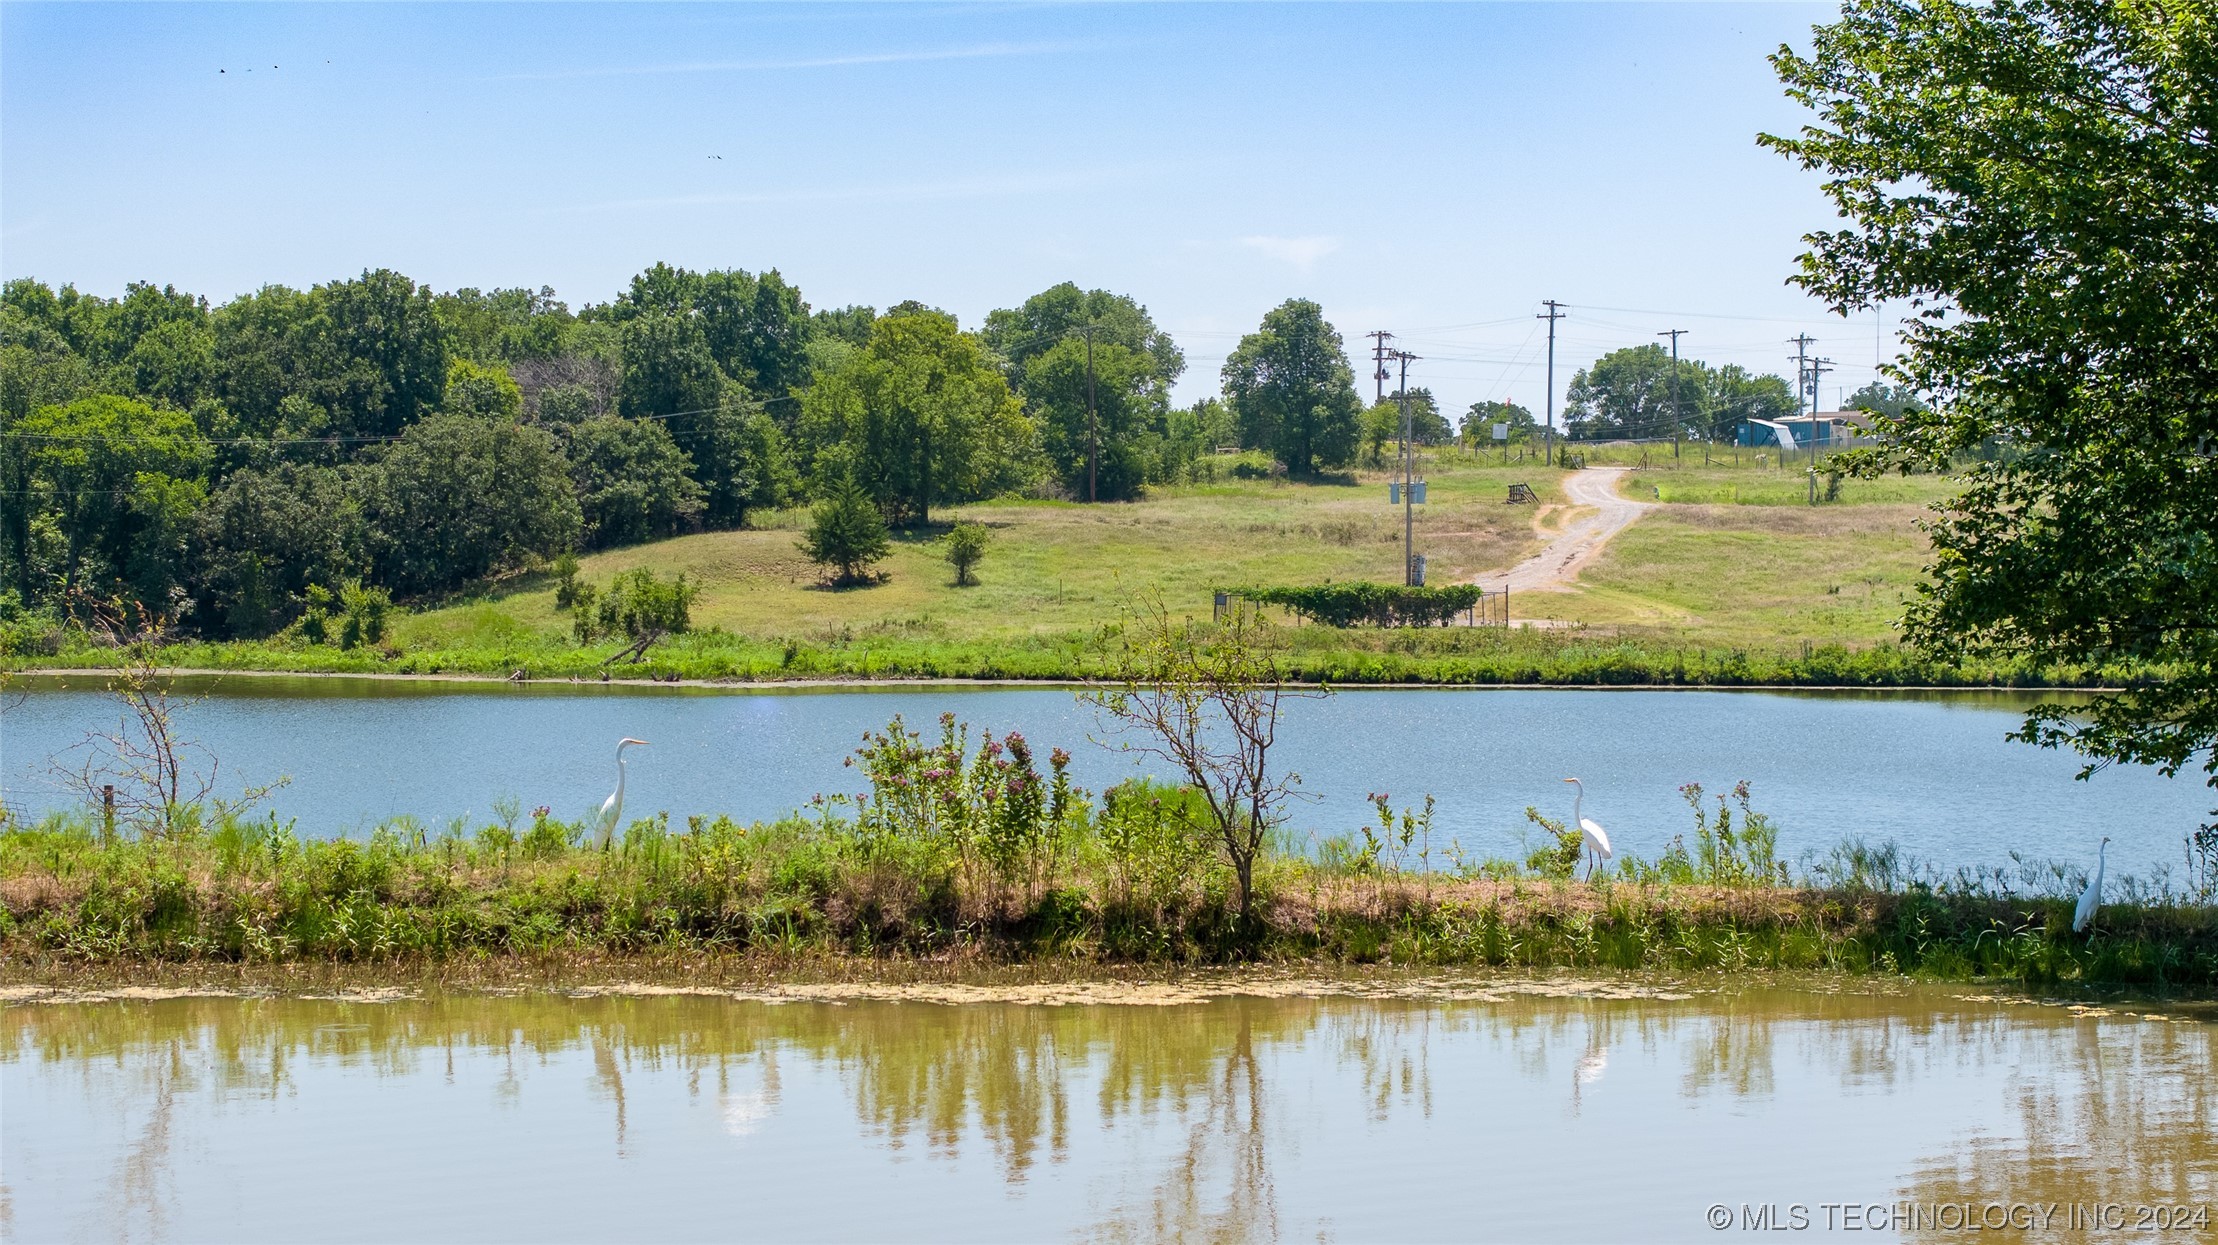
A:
(1434, 170)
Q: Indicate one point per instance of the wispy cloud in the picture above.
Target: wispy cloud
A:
(976, 52)
(952, 188)
(1302, 253)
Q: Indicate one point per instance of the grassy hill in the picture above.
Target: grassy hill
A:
(1733, 577)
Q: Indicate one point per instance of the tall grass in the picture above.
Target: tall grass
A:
(1353, 656)
(1113, 883)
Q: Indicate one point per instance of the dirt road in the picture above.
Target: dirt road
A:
(1582, 537)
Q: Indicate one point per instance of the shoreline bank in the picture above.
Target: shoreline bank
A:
(857, 683)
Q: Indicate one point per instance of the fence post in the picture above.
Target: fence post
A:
(108, 813)
(1217, 608)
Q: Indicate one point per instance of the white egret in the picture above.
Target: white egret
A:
(1595, 838)
(604, 828)
(2091, 898)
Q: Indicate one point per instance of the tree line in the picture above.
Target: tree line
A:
(223, 461)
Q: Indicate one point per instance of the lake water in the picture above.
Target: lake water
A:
(1479, 1113)
(1932, 772)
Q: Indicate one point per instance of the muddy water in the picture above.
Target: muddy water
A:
(1494, 1113)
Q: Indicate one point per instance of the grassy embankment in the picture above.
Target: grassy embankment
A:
(1098, 890)
(1734, 580)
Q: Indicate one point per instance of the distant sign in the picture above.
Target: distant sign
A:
(1501, 432)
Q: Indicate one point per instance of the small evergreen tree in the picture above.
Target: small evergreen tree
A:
(846, 534)
(966, 544)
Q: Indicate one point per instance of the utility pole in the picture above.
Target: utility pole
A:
(1548, 401)
(1409, 455)
(1802, 343)
(1379, 338)
(1678, 418)
(1093, 421)
(1818, 369)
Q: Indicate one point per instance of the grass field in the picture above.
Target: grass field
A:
(1733, 578)
(1053, 567)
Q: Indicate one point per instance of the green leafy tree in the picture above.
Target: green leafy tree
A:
(505, 326)
(1881, 398)
(632, 480)
(1732, 395)
(1628, 393)
(383, 356)
(1478, 422)
(1057, 314)
(738, 454)
(38, 368)
(270, 354)
(1382, 427)
(2036, 177)
(847, 534)
(1291, 387)
(266, 536)
(458, 498)
(119, 482)
(756, 328)
(921, 418)
(487, 392)
(1106, 439)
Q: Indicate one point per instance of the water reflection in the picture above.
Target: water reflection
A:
(547, 1116)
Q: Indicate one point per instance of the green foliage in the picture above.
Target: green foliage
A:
(1105, 444)
(567, 585)
(1634, 392)
(487, 392)
(1154, 839)
(961, 872)
(457, 498)
(1477, 426)
(265, 536)
(363, 614)
(2037, 173)
(1725, 856)
(1055, 315)
(987, 816)
(637, 605)
(1379, 605)
(966, 544)
(920, 417)
(119, 481)
(633, 482)
(1560, 850)
(1292, 390)
(847, 534)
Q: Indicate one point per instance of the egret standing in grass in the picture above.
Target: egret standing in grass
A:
(604, 827)
(1591, 834)
(2091, 898)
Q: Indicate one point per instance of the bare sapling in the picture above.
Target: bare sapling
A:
(1206, 697)
(140, 772)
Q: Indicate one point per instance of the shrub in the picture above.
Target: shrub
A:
(635, 606)
(847, 534)
(566, 581)
(365, 611)
(1383, 605)
(966, 544)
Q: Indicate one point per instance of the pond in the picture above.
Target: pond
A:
(1931, 772)
(1475, 1110)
